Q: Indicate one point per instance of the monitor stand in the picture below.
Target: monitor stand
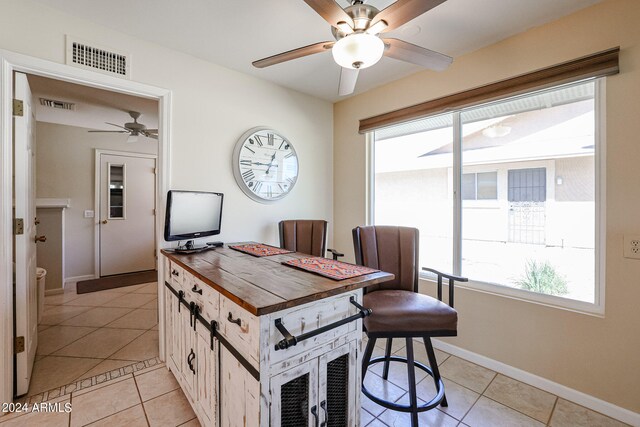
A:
(190, 248)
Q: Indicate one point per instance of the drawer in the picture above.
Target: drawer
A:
(240, 328)
(309, 317)
(208, 301)
(177, 276)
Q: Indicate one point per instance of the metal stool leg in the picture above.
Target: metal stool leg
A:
(387, 353)
(411, 374)
(366, 358)
(434, 367)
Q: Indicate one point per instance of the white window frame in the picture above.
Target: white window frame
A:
(597, 307)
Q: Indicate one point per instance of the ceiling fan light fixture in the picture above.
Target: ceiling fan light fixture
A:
(358, 50)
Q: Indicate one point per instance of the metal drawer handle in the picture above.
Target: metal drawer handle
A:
(236, 321)
(190, 359)
(196, 290)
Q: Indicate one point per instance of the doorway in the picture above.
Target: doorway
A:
(14, 62)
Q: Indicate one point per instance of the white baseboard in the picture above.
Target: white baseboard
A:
(53, 291)
(559, 390)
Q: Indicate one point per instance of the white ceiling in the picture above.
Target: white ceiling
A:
(93, 106)
(233, 33)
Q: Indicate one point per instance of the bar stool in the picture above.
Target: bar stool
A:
(399, 311)
(308, 236)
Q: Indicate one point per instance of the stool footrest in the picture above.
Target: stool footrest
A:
(406, 408)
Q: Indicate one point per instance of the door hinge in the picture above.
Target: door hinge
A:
(18, 226)
(18, 345)
(18, 107)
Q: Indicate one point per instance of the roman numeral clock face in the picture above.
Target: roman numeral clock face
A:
(265, 165)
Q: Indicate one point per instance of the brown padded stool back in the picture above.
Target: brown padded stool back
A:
(391, 249)
(308, 236)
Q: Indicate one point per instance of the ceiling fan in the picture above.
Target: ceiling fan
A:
(359, 44)
(132, 128)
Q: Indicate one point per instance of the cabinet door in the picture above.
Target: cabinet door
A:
(239, 393)
(338, 387)
(207, 368)
(294, 396)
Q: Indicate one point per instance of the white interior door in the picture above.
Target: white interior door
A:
(26, 293)
(127, 217)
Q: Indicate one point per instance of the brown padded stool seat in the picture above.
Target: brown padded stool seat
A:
(405, 313)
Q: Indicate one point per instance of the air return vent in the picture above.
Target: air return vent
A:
(60, 105)
(88, 55)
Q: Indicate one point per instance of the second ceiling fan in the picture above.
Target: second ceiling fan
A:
(359, 44)
(134, 129)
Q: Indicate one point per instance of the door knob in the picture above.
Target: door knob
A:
(37, 221)
(104, 221)
(40, 239)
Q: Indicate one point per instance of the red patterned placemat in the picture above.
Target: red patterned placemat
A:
(336, 270)
(258, 249)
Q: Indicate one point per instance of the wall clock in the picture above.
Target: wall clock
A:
(265, 165)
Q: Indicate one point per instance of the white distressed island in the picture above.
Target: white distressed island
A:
(253, 342)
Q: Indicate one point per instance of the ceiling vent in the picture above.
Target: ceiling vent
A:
(60, 105)
(90, 56)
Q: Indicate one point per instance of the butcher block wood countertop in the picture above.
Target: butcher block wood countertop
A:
(262, 285)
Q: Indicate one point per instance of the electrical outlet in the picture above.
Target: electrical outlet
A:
(632, 246)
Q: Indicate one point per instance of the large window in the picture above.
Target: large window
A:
(504, 193)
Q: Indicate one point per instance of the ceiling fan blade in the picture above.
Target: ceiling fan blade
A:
(149, 134)
(151, 130)
(405, 51)
(348, 78)
(330, 11)
(403, 11)
(293, 54)
(113, 124)
(109, 131)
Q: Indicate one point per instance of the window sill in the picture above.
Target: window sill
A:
(580, 307)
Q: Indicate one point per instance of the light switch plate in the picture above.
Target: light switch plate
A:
(632, 246)
(88, 214)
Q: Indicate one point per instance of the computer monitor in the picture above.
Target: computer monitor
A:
(192, 214)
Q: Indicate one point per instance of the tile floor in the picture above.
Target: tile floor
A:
(106, 331)
(477, 397)
(148, 397)
(81, 336)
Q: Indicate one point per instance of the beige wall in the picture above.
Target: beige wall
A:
(65, 169)
(211, 108)
(597, 356)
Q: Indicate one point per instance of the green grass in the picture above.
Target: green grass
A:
(542, 277)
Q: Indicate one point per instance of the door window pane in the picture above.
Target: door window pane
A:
(413, 176)
(116, 191)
